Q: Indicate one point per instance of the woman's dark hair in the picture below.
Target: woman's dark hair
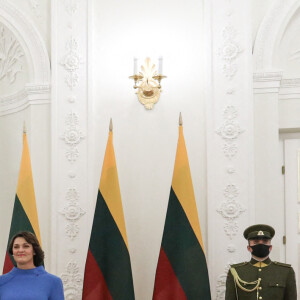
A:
(30, 238)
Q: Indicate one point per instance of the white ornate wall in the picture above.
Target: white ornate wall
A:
(229, 136)
(24, 97)
(232, 110)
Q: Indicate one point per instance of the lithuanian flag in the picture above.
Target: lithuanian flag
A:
(24, 217)
(181, 270)
(108, 270)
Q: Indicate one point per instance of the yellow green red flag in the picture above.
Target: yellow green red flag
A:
(181, 272)
(108, 269)
(24, 217)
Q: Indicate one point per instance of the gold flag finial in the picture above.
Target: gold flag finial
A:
(24, 127)
(110, 125)
(180, 119)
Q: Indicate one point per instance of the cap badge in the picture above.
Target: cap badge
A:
(260, 233)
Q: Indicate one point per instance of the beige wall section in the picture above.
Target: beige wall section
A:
(145, 140)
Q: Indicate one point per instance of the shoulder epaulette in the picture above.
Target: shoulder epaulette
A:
(239, 264)
(281, 264)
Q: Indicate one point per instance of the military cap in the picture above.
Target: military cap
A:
(259, 231)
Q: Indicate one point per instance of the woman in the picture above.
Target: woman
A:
(29, 280)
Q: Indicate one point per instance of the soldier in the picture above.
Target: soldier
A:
(260, 278)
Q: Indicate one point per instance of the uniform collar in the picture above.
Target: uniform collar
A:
(260, 264)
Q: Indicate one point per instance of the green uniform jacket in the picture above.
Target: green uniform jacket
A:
(277, 281)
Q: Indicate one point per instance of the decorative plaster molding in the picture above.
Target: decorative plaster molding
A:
(10, 55)
(229, 51)
(270, 32)
(72, 212)
(72, 154)
(230, 91)
(71, 6)
(71, 174)
(220, 287)
(31, 42)
(35, 6)
(230, 130)
(231, 228)
(230, 112)
(72, 136)
(295, 55)
(267, 76)
(32, 94)
(72, 281)
(231, 248)
(290, 82)
(221, 284)
(71, 62)
(231, 191)
(230, 170)
(230, 209)
(230, 150)
(72, 99)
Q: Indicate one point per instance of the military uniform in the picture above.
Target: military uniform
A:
(258, 280)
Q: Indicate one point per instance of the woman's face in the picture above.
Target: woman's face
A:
(23, 253)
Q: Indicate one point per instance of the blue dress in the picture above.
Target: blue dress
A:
(33, 284)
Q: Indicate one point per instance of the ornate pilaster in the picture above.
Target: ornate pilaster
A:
(229, 137)
(70, 176)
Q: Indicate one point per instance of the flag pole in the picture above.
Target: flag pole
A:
(110, 125)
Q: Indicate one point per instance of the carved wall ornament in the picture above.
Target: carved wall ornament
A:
(72, 212)
(72, 154)
(72, 99)
(230, 91)
(231, 191)
(72, 174)
(230, 130)
(72, 250)
(230, 150)
(71, 6)
(72, 136)
(230, 170)
(221, 284)
(229, 51)
(230, 112)
(231, 248)
(230, 209)
(231, 228)
(72, 230)
(220, 287)
(10, 55)
(71, 62)
(72, 281)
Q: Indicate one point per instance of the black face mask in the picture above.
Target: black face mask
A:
(260, 250)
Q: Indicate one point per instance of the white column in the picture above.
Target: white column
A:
(70, 134)
(229, 100)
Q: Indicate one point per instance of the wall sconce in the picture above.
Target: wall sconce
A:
(147, 81)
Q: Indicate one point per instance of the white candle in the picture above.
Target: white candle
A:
(134, 65)
(160, 63)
